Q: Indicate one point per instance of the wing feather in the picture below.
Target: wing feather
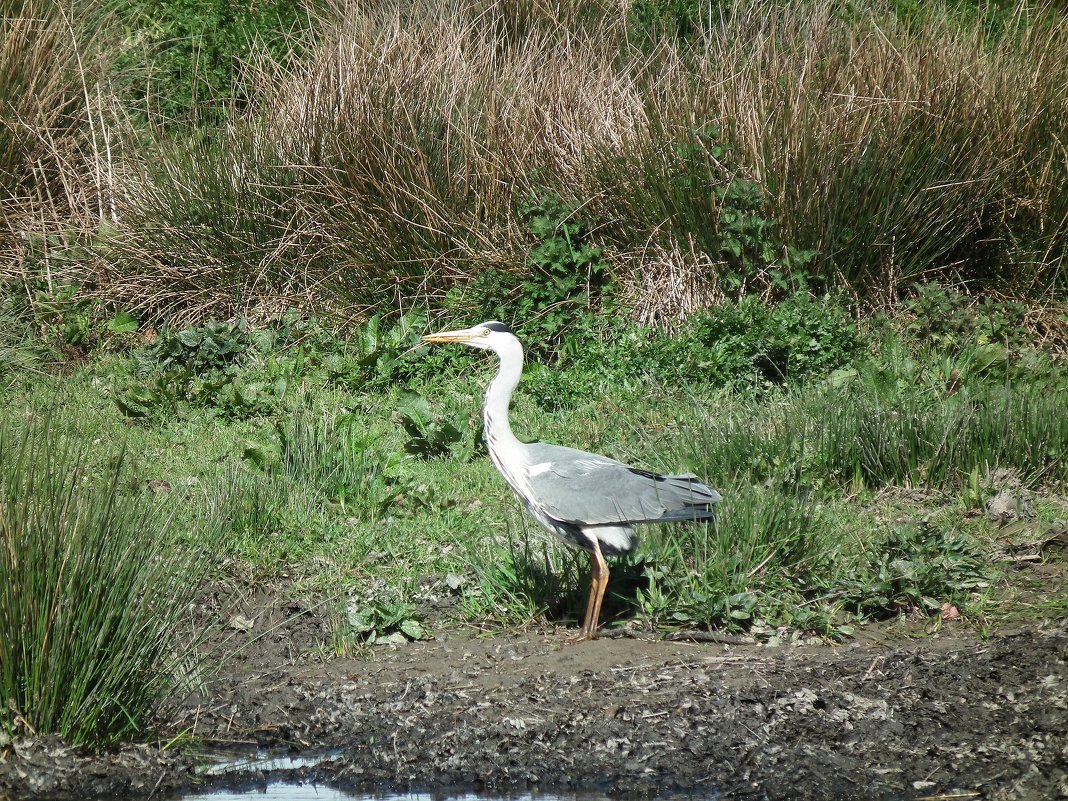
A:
(585, 489)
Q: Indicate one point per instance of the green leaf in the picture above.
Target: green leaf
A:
(412, 629)
(190, 337)
(122, 323)
(360, 621)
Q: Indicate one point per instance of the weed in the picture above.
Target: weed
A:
(211, 346)
(431, 435)
(344, 464)
(568, 271)
(66, 312)
(952, 322)
(555, 388)
(752, 345)
(380, 349)
(200, 366)
(917, 567)
(378, 622)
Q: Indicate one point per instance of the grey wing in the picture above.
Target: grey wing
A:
(590, 490)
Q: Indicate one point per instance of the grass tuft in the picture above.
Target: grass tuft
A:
(92, 595)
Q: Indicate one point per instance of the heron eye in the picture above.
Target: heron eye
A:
(485, 332)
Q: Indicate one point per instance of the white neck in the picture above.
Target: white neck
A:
(499, 436)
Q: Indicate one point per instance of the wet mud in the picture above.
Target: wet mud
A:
(947, 716)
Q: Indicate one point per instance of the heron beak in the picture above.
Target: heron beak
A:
(446, 337)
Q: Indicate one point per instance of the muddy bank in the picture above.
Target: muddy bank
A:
(628, 717)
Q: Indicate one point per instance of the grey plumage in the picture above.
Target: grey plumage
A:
(585, 489)
(588, 500)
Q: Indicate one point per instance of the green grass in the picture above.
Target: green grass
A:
(22, 355)
(94, 592)
(747, 201)
(849, 496)
(322, 490)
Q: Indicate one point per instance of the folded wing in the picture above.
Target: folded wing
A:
(585, 489)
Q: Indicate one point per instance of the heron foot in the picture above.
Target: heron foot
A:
(582, 635)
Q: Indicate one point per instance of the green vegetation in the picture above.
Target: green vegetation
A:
(361, 481)
(188, 61)
(92, 595)
(813, 251)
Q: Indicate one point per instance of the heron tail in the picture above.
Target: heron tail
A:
(693, 500)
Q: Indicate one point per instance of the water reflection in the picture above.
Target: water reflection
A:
(265, 761)
(282, 791)
(236, 765)
(285, 792)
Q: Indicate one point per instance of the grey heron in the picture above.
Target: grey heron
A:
(589, 501)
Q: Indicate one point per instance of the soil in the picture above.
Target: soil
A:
(936, 717)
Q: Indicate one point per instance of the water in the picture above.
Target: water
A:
(310, 792)
(265, 761)
(284, 791)
(281, 790)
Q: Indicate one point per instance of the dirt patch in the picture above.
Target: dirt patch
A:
(623, 716)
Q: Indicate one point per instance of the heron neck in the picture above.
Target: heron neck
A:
(499, 398)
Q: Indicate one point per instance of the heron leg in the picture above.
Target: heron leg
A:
(598, 585)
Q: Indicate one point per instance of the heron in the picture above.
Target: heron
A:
(589, 501)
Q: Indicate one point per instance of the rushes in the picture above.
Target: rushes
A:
(796, 143)
(859, 437)
(91, 598)
(789, 143)
(46, 129)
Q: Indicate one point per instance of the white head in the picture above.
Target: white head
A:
(491, 335)
(501, 443)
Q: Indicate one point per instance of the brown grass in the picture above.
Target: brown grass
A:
(389, 167)
(53, 148)
(899, 154)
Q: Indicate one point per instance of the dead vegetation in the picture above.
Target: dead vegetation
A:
(791, 142)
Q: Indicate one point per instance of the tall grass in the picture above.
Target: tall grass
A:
(53, 149)
(860, 435)
(764, 554)
(526, 575)
(219, 226)
(382, 170)
(92, 595)
(390, 164)
(898, 152)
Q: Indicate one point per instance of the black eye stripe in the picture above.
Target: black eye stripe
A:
(500, 328)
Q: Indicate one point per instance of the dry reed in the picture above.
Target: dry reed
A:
(389, 166)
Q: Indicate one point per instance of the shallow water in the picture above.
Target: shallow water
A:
(265, 761)
(269, 762)
(283, 791)
(286, 792)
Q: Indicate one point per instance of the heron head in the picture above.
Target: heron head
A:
(490, 335)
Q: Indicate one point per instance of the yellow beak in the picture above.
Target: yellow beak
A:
(446, 337)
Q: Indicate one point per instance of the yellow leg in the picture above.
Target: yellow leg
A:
(598, 585)
(601, 570)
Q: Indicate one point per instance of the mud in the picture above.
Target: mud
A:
(937, 717)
